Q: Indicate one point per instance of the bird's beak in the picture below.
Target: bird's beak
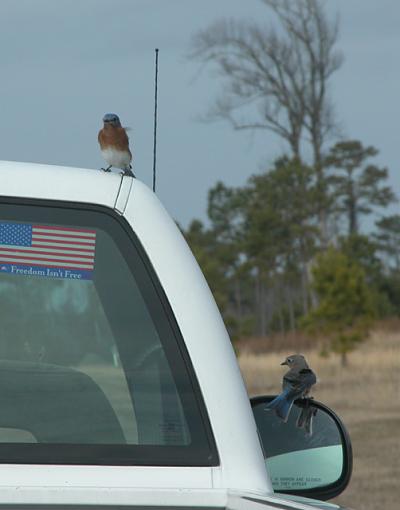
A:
(284, 363)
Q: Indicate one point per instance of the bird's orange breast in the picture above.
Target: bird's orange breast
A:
(114, 137)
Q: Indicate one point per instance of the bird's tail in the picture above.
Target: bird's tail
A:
(281, 405)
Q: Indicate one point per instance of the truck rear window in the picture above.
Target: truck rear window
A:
(92, 366)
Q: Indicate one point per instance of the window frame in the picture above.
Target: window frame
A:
(126, 455)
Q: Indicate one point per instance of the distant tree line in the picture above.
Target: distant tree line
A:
(262, 256)
(288, 250)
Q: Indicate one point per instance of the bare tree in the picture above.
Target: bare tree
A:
(278, 77)
(262, 74)
(308, 28)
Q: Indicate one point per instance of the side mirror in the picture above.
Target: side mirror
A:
(314, 465)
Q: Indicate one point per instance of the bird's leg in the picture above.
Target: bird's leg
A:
(128, 172)
(108, 169)
(308, 403)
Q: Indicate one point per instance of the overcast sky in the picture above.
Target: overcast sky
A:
(66, 63)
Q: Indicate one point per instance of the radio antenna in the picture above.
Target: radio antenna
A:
(155, 122)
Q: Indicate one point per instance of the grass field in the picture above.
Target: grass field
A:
(366, 395)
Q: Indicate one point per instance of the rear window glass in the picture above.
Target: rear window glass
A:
(92, 366)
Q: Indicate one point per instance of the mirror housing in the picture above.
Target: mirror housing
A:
(313, 465)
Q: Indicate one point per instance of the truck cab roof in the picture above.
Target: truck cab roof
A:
(52, 182)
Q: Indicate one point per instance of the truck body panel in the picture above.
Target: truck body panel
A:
(240, 480)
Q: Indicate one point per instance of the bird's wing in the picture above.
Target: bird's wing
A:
(308, 376)
(299, 381)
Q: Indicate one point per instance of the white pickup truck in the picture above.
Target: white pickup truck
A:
(118, 383)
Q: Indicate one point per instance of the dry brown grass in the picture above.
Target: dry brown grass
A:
(366, 395)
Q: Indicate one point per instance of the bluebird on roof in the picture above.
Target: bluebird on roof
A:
(114, 145)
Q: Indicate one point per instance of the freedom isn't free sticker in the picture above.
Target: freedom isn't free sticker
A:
(41, 250)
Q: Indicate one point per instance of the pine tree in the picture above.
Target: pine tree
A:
(357, 187)
(345, 312)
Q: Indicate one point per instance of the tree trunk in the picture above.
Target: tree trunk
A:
(322, 209)
(260, 293)
(281, 320)
(292, 320)
(263, 318)
(257, 303)
(304, 288)
(313, 295)
(344, 359)
(352, 206)
(238, 298)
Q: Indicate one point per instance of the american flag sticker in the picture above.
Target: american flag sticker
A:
(41, 250)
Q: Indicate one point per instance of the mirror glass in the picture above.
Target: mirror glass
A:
(300, 457)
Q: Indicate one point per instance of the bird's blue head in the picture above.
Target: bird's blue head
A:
(111, 119)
